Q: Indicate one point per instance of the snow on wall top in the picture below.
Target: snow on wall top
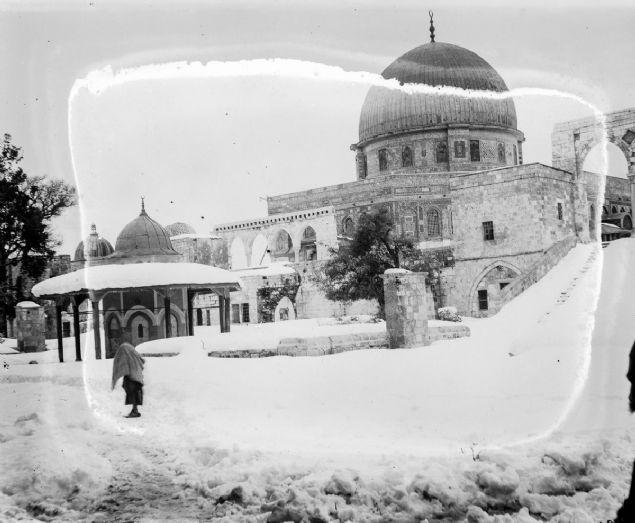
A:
(135, 275)
(275, 269)
(27, 305)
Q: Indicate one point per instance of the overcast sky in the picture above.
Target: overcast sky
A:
(206, 150)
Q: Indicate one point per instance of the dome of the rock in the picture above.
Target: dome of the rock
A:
(390, 111)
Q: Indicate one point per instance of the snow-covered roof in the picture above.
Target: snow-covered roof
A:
(137, 275)
(275, 269)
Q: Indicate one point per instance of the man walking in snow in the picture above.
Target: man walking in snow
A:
(627, 511)
(128, 364)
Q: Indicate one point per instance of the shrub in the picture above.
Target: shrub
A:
(448, 314)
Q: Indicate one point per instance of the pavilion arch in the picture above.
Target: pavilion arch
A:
(260, 252)
(472, 305)
(179, 316)
(237, 254)
(135, 309)
(113, 326)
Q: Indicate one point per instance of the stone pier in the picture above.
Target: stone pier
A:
(407, 308)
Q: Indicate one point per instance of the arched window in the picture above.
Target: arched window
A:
(434, 223)
(383, 159)
(442, 152)
(348, 226)
(406, 157)
(283, 243)
(308, 246)
(140, 330)
(613, 209)
(515, 155)
(501, 152)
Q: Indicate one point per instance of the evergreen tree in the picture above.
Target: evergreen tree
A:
(354, 270)
(27, 205)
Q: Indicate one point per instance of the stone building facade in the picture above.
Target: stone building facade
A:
(449, 169)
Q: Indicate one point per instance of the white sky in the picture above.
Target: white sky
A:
(204, 150)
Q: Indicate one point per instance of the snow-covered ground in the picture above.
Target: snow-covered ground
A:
(261, 336)
(460, 429)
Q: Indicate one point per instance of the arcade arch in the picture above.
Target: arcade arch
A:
(606, 158)
(238, 256)
(260, 253)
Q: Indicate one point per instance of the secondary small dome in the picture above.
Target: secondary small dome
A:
(174, 229)
(94, 246)
(391, 111)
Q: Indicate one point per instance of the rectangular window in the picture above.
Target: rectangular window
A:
(559, 211)
(235, 313)
(475, 151)
(409, 225)
(488, 230)
(459, 149)
(442, 152)
(209, 318)
(245, 312)
(483, 305)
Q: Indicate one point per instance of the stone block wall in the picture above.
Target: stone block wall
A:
(407, 301)
(521, 202)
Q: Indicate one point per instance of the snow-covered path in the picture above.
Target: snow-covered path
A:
(603, 404)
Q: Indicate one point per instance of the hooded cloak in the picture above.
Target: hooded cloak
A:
(127, 362)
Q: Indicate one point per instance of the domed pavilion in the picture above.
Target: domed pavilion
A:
(144, 288)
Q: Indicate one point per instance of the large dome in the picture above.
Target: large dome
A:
(390, 111)
(143, 237)
(92, 247)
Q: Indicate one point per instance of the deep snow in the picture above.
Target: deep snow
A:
(433, 432)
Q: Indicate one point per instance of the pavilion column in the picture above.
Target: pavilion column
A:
(168, 314)
(94, 300)
(78, 347)
(228, 309)
(58, 326)
(221, 311)
(190, 313)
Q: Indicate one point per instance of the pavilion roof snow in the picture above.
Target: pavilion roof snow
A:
(137, 275)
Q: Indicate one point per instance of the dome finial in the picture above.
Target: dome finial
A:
(431, 26)
(93, 228)
(143, 205)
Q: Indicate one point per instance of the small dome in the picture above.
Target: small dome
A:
(94, 246)
(391, 111)
(143, 236)
(174, 229)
